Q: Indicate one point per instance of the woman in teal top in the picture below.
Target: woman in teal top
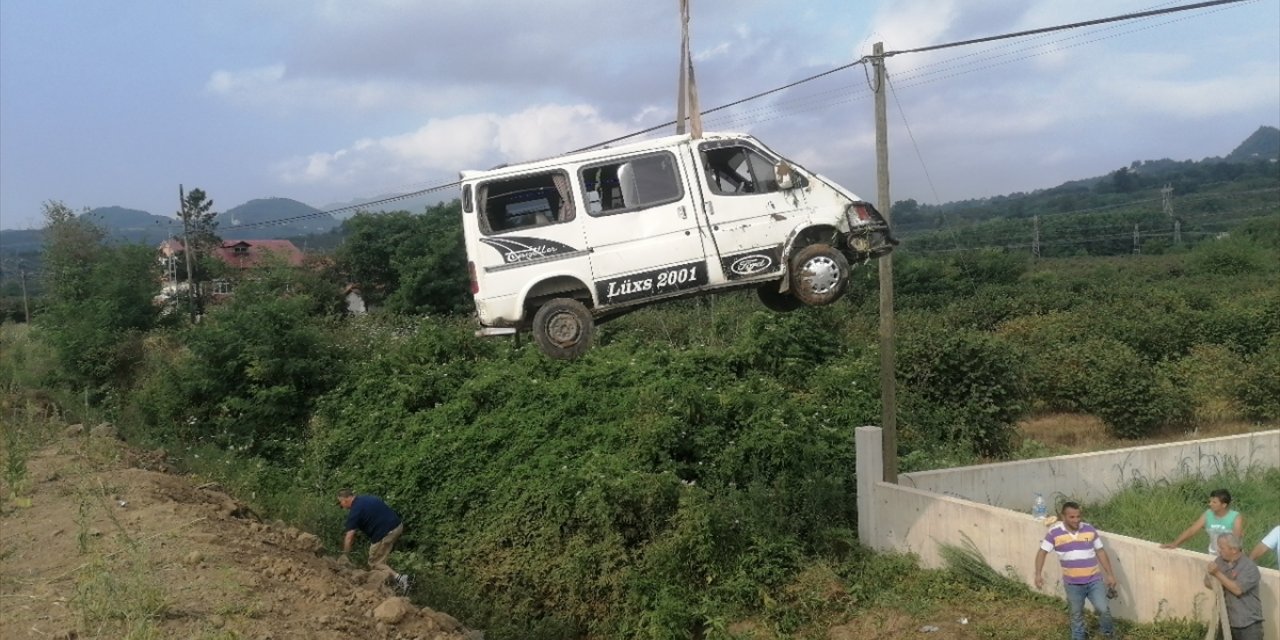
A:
(1216, 520)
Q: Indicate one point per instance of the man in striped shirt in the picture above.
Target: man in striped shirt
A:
(1086, 569)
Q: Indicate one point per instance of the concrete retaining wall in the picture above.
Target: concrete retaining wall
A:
(1154, 583)
(1094, 477)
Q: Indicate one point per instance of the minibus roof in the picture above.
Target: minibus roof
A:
(592, 154)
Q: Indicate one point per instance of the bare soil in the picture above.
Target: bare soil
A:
(105, 542)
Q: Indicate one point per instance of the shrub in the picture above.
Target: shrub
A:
(255, 367)
(1243, 322)
(1125, 392)
(962, 386)
(1259, 391)
(1209, 377)
(789, 345)
(1229, 257)
(94, 318)
(629, 492)
(1055, 370)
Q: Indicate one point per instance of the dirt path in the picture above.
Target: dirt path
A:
(104, 542)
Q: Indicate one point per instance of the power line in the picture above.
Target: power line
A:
(861, 61)
(353, 207)
(907, 126)
(1112, 234)
(1062, 27)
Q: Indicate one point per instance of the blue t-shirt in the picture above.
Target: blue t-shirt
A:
(372, 517)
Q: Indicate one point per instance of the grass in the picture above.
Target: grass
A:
(1063, 433)
(117, 593)
(876, 596)
(1160, 510)
(273, 491)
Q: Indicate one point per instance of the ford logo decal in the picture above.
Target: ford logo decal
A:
(747, 265)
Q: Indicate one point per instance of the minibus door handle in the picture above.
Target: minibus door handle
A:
(684, 215)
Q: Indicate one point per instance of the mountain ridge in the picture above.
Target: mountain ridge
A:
(257, 218)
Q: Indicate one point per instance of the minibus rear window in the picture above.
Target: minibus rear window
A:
(525, 201)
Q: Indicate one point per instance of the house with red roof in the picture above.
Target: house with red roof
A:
(240, 255)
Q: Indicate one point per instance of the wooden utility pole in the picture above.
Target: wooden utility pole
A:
(888, 379)
(22, 276)
(186, 251)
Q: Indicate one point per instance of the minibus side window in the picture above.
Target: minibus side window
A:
(522, 202)
(635, 183)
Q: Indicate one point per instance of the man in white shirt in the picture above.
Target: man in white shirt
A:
(1270, 542)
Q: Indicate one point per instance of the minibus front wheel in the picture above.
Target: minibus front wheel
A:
(563, 328)
(819, 274)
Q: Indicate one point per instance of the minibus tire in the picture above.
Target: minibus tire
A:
(775, 300)
(819, 275)
(563, 328)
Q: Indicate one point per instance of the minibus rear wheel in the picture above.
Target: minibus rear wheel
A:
(819, 274)
(563, 328)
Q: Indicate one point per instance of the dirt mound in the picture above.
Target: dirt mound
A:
(103, 542)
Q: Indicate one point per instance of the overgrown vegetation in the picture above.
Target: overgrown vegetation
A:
(691, 474)
(1161, 509)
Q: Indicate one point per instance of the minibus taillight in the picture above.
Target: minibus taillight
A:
(471, 271)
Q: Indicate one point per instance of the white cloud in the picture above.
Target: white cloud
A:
(444, 146)
(1190, 99)
(707, 54)
(274, 88)
(244, 82)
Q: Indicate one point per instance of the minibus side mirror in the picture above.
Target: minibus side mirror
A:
(782, 173)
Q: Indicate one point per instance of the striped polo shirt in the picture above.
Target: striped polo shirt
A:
(1077, 551)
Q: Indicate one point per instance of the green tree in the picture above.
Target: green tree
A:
(71, 246)
(199, 222)
(98, 299)
(200, 238)
(256, 365)
(409, 263)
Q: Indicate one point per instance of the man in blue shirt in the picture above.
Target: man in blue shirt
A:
(378, 522)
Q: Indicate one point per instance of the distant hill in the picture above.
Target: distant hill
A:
(257, 219)
(248, 221)
(1263, 144)
(119, 223)
(132, 225)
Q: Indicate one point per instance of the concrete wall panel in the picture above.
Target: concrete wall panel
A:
(1154, 583)
(1094, 477)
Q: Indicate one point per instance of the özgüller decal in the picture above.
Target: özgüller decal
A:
(519, 249)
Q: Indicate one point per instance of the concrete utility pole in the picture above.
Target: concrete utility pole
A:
(186, 251)
(888, 378)
(687, 98)
(1137, 241)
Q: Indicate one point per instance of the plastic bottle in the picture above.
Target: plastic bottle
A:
(1038, 509)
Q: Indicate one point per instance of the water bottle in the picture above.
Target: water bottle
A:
(1038, 509)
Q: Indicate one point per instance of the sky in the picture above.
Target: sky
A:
(329, 101)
